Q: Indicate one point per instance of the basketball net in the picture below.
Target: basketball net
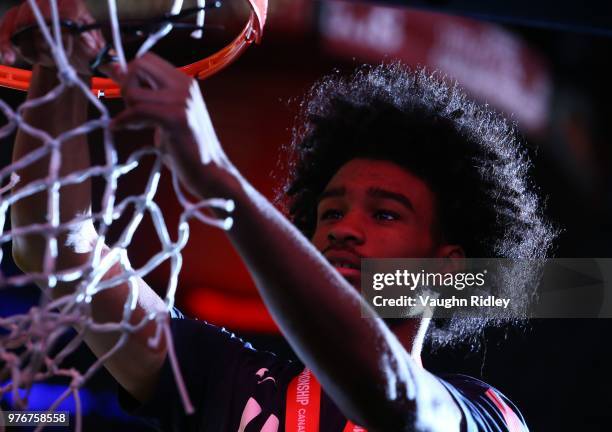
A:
(27, 340)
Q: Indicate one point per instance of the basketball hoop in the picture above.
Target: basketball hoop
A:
(19, 79)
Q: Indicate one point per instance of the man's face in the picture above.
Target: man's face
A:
(374, 209)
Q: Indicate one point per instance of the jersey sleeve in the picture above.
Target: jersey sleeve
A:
(225, 377)
(484, 408)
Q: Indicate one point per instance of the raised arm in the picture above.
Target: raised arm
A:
(359, 361)
(63, 113)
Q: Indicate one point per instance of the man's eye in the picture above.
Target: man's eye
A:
(331, 214)
(386, 215)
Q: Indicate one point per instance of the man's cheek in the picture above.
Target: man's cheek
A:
(316, 240)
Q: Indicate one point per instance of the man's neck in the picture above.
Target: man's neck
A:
(411, 334)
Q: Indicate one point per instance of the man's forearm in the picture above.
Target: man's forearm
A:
(68, 111)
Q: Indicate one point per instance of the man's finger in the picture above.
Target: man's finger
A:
(7, 28)
(25, 16)
(139, 95)
(156, 66)
(113, 71)
(153, 70)
(140, 113)
(138, 77)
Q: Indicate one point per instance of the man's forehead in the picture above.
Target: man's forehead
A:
(380, 179)
(366, 174)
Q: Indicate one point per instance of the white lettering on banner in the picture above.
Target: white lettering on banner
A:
(301, 423)
(303, 388)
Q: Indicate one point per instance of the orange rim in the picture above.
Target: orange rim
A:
(19, 79)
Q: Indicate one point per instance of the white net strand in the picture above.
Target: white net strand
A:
(37, 332)
(177, 6)
(114, 19)
(200, 18)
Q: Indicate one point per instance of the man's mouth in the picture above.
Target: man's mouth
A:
(346, 263)
(351, 274)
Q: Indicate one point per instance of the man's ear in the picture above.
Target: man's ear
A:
(453, 256)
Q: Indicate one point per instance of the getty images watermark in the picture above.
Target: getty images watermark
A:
(488, 288)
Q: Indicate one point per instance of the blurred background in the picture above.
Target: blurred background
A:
(545, 65)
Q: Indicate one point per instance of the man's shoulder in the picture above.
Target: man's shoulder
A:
(192, 331)
(485, 409)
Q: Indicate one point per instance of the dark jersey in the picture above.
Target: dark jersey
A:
(234, 387)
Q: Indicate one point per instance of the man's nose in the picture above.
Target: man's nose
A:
(346, 230)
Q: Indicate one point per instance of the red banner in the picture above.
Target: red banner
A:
(492, 64)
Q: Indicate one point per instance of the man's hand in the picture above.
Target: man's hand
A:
(80, 49)
(157, 94)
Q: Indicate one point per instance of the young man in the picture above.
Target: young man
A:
(389, 163)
